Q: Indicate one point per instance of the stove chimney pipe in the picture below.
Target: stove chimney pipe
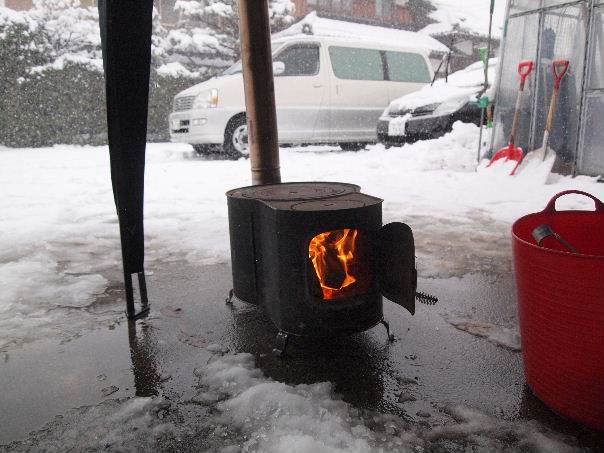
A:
(257, 64)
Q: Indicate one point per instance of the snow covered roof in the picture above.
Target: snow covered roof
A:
(468, 15)
(319, 26)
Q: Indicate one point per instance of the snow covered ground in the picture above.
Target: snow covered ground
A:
(59, 253)
(59, 246)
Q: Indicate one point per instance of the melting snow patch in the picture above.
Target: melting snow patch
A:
(274, 417)
(501, 336)
(240, 410)
(116, 425)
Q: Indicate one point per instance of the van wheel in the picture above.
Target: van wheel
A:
(235, 137)
(352, 146)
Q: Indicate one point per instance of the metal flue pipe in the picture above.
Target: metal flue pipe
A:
(259, 91)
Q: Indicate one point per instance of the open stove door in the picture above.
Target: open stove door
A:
(395, 265)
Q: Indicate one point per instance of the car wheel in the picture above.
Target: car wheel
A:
(203, 150)
(235, 137)
(352, 146)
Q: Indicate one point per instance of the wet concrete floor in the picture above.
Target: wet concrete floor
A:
(431, 363)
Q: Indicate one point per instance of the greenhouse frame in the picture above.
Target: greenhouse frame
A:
(544, 31)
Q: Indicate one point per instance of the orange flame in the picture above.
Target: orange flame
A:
(332, 254)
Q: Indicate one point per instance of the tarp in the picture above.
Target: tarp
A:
(126, 42)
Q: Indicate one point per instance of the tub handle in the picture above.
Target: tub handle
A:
(551, 206)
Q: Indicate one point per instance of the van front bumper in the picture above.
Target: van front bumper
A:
(197, 127)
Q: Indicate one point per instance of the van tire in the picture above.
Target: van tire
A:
(347, 146)
(203, 150)
(233, 135)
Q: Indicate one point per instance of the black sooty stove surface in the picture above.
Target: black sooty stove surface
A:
(316, 256)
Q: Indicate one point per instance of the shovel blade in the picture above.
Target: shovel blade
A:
(509, 153)
(538, 164)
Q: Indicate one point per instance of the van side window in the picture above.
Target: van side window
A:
(356, 64)
(407, 67)
(300, 60)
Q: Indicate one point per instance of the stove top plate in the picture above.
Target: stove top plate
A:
(295, 191)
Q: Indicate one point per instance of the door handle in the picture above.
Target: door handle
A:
(317, 85)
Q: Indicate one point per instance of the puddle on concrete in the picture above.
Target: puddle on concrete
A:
(431, 363)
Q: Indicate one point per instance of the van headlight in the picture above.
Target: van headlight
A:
(206, 99)
(450, 106)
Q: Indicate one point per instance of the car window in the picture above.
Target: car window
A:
(407, 67)
(356, 64)
(300, 60)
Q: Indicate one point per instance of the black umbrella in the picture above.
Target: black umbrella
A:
(126, 41)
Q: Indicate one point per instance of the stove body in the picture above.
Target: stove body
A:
(293, 243)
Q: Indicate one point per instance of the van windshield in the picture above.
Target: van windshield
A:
(236, 68)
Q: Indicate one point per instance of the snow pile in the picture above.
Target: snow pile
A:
(320, 26)
(238, 409)
(455, 152)
(463, 84)
(471, 16)
(501, 336)
(273, 417)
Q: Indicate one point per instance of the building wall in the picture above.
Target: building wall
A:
(378, 12)
(164, 7)
(18, 5)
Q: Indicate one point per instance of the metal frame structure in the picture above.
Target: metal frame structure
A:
(593, 7)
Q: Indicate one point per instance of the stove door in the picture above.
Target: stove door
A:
(395, 264)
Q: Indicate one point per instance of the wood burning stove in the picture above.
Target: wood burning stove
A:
(316, 257)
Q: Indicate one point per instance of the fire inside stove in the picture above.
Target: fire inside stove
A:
(340, 263)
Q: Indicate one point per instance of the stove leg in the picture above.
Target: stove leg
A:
(280, 344)
(387, 326)
(229, 299)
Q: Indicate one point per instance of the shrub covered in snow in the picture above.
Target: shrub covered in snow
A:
(51, 79)
(207, 34)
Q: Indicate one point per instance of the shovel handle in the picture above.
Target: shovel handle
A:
(551, 206)
(559, 68)
(524, 70)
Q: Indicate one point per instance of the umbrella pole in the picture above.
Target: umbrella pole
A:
(257, 66)
(126, 43)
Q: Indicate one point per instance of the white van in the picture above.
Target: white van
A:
(327, 90)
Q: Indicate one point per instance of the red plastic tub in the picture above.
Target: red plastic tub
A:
(561, 309)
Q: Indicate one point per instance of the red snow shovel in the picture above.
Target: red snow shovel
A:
(512, 152)
(559, 69)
